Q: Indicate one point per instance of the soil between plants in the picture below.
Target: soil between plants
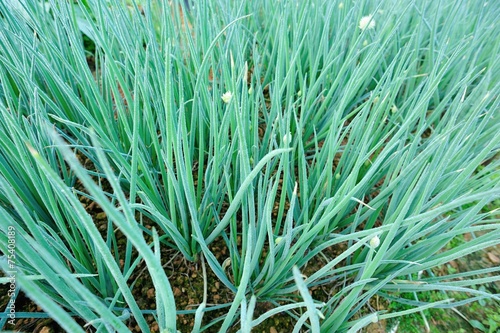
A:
(187, 283)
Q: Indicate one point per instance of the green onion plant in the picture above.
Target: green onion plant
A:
(327, 144)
